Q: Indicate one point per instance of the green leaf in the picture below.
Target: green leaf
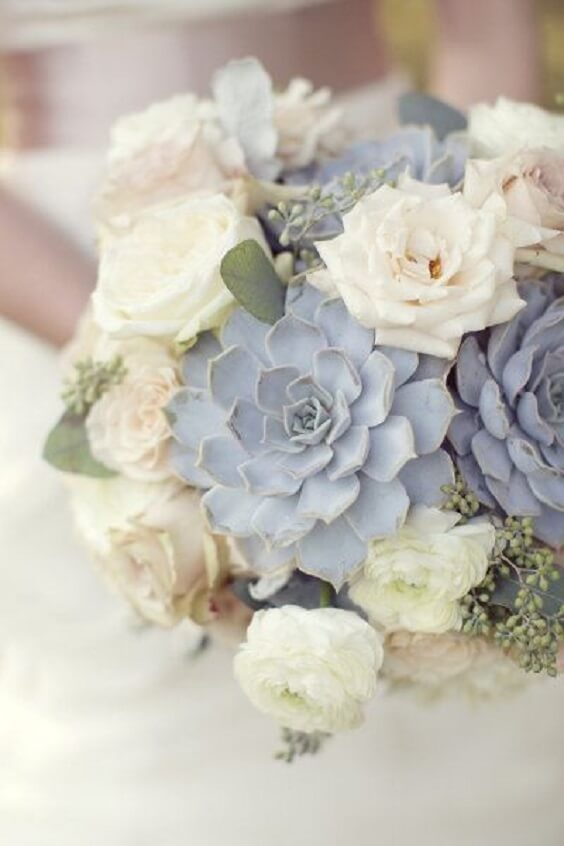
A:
(248, 273)
(423, 110)
(67, 449)
(507, 589)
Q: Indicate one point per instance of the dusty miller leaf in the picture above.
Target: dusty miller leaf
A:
(423, 110)
(67, 449)
(251, 278)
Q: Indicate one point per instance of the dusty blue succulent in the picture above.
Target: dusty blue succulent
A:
(510, 434)
(413, 149)
(309, 441)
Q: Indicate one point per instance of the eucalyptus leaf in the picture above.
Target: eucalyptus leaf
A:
(507, 589)
(248, 273)
(423, 110)
(67, 449)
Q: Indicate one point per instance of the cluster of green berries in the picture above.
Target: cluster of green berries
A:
(91, 379)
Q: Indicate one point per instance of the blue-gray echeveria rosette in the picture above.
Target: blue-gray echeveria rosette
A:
(509, 437)
(308, 440)
(413, 150)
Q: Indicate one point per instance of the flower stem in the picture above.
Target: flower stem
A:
(325, 595)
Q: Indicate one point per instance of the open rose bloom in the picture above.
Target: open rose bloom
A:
(317, 407)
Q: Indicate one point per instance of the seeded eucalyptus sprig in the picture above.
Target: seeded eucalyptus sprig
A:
(520, 603)
(91, 379)
(299, 221)
(299, 743)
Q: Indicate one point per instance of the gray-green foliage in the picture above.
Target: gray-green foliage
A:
(250, 276)
(520, 603)
(67, 446)
(299, 743)
(90, 380)
(317, 215)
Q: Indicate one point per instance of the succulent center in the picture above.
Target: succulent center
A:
(309, 417)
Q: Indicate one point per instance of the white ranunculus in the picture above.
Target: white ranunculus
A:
(150, 542)
(310, 670)
(161, 276)
(531, 185)
(422, 267)
(415, 579)
(508, 126)
(449, 664)
(127, 428)
(308, 125)
(171, 149)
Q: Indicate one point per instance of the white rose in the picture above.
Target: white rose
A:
(422, 267)
(161, 276)
(127, 428)
(414, 579)
(447, 664)
(508, 126)
(150, 543)
(531, 185)
(173, 148)
(308, 126)
(310, 670)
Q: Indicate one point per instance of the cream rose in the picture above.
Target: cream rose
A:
(422, 267)
(150, 542)
(508, 126)
(171, 149)
(127, 428)
(310, 670)
(308, 125)
(415, 579)
(447, 664)
(531, 185)
(161, 276)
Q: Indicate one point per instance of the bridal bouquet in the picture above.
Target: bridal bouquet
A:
(319, 400)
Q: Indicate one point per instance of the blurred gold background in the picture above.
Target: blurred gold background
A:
(411, 30)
